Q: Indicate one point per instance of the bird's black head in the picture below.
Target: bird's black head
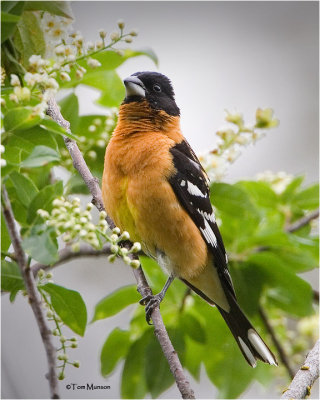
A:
(153, 87)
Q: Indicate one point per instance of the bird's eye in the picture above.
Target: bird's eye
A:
(156, 88)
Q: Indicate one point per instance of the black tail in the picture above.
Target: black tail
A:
(249, 341)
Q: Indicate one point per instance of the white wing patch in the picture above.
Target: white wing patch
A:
(183, 183)
(210, 217)
(194, 190)
(208, 234)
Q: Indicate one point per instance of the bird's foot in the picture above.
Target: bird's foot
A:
(151, 302)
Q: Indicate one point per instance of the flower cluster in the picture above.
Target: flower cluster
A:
(96, 138)
(123, 252)
(74, 224)
(278, 180)
(231, 141)
(66, 50)
(51, 315)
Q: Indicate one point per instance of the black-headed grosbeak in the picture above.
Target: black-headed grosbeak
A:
(155, 188)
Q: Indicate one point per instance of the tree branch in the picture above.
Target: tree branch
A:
(142, 284)
(303, 221)
(301, 385)
(67, 254)
(33, 296)
(281, 352)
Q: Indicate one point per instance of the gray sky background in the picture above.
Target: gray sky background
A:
(219, 55)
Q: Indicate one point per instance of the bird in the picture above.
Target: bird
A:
(154, 187)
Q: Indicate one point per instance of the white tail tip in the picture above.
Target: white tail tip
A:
(260, 347)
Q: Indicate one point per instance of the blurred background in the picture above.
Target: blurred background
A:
(233, 56)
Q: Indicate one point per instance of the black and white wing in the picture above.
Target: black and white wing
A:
(190, 184)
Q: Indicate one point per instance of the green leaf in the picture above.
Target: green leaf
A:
(158, 375)
(109, 83)
(285, 289)
(41, 244)
(61, 8)
(76, 185)
(44, 200)
(111, 60)
(36, 136)
(292, 188)
(69, 305)
(54, 127)
(6, 17)
(192, 327)
(115, 302)
(20, 118)
(260, 193)
(29, 38)
(11, 278)
(40, 156)
(194, 354)
(69, 107)
(25, 188)
(308, 199)
(232, 200)
(10, 15)
(133, 384)
(114, 349)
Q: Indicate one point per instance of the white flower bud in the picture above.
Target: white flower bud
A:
(136, 247)
(134, 32)
(2, 102)
(83, 233)
(93, 63)
(79, 74)
(59, 50)
(116, 230)
(114, 238)
(120, 23)
(127, 260)
(92, 128)
(128, 39)
(2, 150)
(114, 36)
(124, 251)
(102, 33)
(14, 80)
(22, 93)
(102, 215)
(13, 98)
(65, 77)
(114, 249)
(125, 235)
(99, 44)
(57, 202)
(3, 162)
(90, 46)
(112, 258)
(83, 220)
(135, 264)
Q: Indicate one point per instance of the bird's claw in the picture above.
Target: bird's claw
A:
(151, 302)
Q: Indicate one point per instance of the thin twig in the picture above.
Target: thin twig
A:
(142, 284)
(67, 254)
(33, 295)
(281, 352)
(301, 384)
(302, 221)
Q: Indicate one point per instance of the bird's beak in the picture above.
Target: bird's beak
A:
(134, 87)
